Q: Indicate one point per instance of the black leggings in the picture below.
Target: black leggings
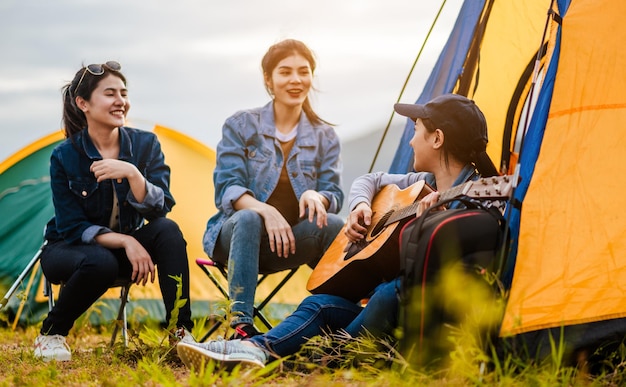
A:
(87, 271)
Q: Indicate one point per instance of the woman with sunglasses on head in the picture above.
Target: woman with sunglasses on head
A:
(110, 189)
(277, 183)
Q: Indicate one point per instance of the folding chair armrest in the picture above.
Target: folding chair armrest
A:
(205, 262)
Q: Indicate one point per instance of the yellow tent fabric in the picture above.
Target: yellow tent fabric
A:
(512, 37)
(571, 262)
(29, 149)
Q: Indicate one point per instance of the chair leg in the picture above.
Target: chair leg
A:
(258, 314)
(20, 308)
(31, 268)
(203, 263)
(258, 309)
(213, 328)
(121, 316)
(47, 292)
(215, 280)
(34, 261)
(125, 328)
(219, 286)
(277, 288)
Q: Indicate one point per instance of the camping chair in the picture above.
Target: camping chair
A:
(205, 264)
(32, 267)
(121, 321)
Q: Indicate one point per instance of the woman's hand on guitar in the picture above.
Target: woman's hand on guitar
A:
(427, 201)
(358, 222)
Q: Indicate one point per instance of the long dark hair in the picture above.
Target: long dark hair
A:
(83, 84)
(282, 50)
(466, 152)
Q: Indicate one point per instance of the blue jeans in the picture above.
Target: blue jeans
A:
(243, 245)
(87, 271)
(323, 314)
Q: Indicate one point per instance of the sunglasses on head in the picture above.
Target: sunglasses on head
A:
(98, 69)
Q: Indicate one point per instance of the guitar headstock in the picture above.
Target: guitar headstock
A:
(495, 187)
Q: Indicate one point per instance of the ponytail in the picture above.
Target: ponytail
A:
(484, 165)
(311, 115)
(74, 119)
(481, 160)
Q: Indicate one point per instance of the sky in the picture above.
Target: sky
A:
(192, 63)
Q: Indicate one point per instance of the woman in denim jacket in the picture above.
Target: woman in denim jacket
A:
(106, 180)
(277, 183)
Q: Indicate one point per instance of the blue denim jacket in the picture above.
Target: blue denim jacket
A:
(83, 206)
(249, 160)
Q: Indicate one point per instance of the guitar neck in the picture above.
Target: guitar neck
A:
(411, 209)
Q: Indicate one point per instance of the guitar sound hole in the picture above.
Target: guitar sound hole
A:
(380, 226)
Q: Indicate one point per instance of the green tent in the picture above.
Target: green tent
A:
(26, 206)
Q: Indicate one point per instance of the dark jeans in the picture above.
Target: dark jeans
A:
(87, 271)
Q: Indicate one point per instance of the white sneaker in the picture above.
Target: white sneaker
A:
(227, 353)
(53, 347)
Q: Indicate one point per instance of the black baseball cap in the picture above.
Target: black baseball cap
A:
(457, 116)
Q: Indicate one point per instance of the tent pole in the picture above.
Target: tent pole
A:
(406, 81)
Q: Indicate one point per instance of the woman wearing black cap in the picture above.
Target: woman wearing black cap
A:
(449, 145)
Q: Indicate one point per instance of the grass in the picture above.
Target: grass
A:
(150, 361)
(336, 360)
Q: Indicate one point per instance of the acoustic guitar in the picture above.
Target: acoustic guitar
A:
(352, 270)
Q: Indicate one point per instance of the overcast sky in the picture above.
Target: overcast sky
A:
(192, 63)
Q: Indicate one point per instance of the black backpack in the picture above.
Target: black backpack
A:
(454, 249)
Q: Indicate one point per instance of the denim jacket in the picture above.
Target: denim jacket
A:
(83, 206)
(250, 159)
(365, 187)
